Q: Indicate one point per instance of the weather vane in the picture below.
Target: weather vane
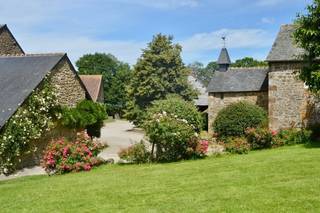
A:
(224, 41)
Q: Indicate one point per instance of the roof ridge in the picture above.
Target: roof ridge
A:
(248, 68)
(31, 55)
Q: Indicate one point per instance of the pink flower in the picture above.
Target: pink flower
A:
(65, 151)
(274, 132)
(87, 167)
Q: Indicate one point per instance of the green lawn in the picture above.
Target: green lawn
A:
(280, 180)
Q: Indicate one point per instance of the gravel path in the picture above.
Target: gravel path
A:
(117, 134)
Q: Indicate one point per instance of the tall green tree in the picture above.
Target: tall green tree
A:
(203, 74)
(249, 62)
(116, 76)
(158, 72)
(307, 36)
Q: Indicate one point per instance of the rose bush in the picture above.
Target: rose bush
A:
(63, 156)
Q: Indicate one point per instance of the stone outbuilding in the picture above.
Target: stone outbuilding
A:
(21, 74)
(276, 88)
(230, 85)
(94, 85)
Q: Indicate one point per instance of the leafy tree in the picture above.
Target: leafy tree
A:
(249, 62)
(158, 72)
(115, 74)
(307, 36)
(203, 74)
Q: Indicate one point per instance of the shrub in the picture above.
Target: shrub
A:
(178, 108)
(237, 145)
(259, 138)
(237, 117)
(86, 115)
(63, 156)
(170, 135)
(137, 153)
(294, 136)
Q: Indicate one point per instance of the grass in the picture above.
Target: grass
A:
(280, 180)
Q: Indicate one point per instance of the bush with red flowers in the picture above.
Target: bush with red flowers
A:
(63, 156)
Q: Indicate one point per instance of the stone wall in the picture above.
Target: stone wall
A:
(67, 85)
(8, 45)
(69, 92)
(290, 102)
(218, 101)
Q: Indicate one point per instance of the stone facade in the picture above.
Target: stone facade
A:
(8, 44)
(290, 102)
(218, 101)
(66, 83)
(69, 92)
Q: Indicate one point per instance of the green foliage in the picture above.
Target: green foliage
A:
(116, 76)
(176, 106)
(307, 36)
(62, 156)
(170, 135)
(158, 72)
(203, 74)
(86, 115)
(294, 136)
(33, 119)
(259, 138)
(237, 145)
(137, 153)
(249, 62)
(234, 119)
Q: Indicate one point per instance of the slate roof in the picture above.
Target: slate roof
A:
(239, 80)
(224, 57)
(202, 99)
(284, 47)
(93, 85)
(19, 76)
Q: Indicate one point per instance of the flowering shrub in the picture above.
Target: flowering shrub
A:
(136, 153)
(200, 149)
(260, 138)
(170, 135)
(30, 122)
(238, 145)
(179, 108)
(63, 156)
(294, 136)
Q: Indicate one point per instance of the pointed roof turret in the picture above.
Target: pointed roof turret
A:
(224, 59)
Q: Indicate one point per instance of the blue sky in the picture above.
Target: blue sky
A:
(124, 27)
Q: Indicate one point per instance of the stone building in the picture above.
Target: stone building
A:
(230, 85)
(94, 85)
(21, 74)
(276, 88)
(8, 44)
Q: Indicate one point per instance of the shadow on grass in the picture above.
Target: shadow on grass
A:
(313, 144)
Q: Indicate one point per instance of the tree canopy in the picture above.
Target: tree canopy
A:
(116, 75)
(248, 62)
(203, 74)
(307, 36)
(158, 72)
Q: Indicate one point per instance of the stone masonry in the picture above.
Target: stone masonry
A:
(67, 85)
(218, 101)
(8, 44)
(290, 102)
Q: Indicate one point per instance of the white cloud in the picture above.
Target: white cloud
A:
(267, 20)
(127, 51)
(236, 38)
